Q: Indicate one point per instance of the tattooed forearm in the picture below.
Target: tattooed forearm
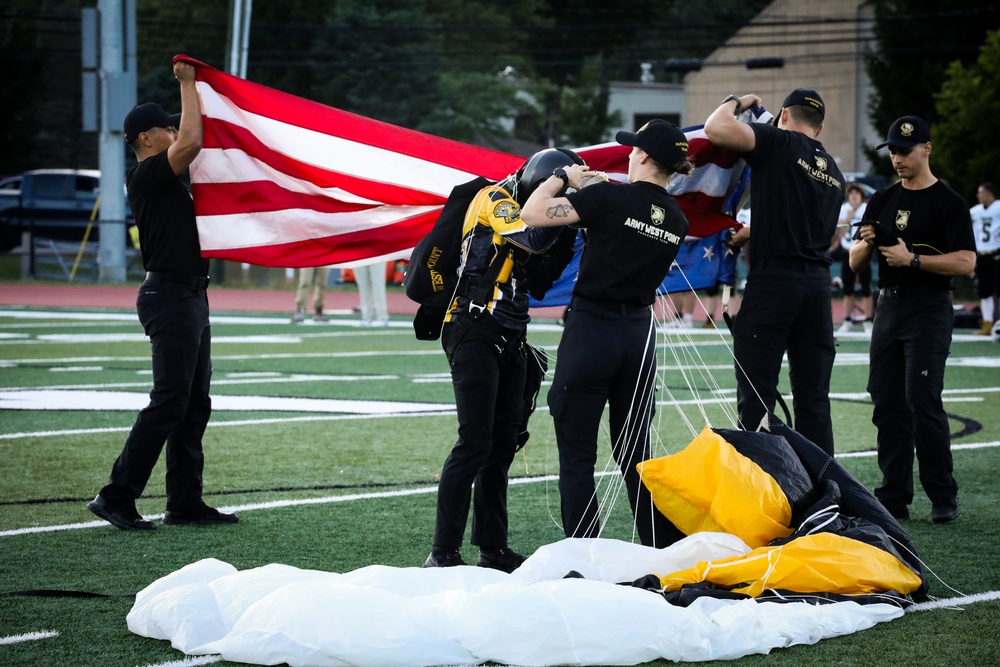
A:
(558, 211)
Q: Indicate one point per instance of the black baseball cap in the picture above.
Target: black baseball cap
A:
(144, 116)
(663, 141)
(907, 132)
(806, 98)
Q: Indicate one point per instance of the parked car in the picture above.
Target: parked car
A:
(49, 203)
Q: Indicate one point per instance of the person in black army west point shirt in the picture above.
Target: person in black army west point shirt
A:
(173, 308)
(796, 191)
(607, 352)
(922, 231)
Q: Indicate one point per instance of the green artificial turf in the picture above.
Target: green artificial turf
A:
(54, 461)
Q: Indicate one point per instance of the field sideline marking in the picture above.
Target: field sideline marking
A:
(187, 662)
(28, 637)
(275, 504)
(445, 410)
(988, 596)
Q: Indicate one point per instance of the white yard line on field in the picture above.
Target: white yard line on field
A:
(28, 637)
(188, 662)
(988, 596)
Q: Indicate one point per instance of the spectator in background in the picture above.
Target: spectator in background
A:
(312, 279)
(690, 302)
(371, 290)
(986, 227)
(851, 213)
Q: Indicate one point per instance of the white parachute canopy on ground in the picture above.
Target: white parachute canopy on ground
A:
(380, 615)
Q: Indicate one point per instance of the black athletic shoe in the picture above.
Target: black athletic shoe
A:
(504, 559)
(944, 513)
(120, 516)
(205, 515)
(451, 558)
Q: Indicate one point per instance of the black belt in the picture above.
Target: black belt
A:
(904, 291)
(191, 280)
(606, 307)
(802, 265)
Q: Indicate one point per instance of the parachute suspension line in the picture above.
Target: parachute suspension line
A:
(675, 350)
(773, 556)
(693, 368)
(637, 417)
(926, 567)
(548, 466)
(649, 409)
(830, 512)
(702, 367)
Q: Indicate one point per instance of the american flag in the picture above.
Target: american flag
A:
(287, 182)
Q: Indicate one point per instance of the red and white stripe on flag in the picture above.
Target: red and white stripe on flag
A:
(287, 182)
(284, 181)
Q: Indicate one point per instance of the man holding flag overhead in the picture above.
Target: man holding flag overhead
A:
(173, 308)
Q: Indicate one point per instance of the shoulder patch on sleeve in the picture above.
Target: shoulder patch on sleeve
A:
(506, 212)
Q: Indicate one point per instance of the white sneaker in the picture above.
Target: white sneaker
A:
(867, 326)
(845, 327)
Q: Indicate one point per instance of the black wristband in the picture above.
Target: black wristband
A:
(739, 104)
(559, 172)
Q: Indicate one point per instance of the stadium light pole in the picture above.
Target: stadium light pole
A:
(237, 46)
(117, 79)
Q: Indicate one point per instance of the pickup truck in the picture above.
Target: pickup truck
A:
(49, 203)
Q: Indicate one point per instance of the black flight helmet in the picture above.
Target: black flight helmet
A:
(538, 168)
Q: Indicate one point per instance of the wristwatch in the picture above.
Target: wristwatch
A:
(739, 105)
(915, 262)
(559, 172)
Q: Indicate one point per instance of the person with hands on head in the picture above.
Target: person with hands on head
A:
(484, 340)
(796, 191)
(172, 306)
(911, 334)
(607, 352)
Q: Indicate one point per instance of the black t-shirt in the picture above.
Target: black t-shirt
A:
(164, 212)
(633, 235)
(931, 221)
(796, 190)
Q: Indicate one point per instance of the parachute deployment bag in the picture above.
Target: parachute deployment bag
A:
(432, 274)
